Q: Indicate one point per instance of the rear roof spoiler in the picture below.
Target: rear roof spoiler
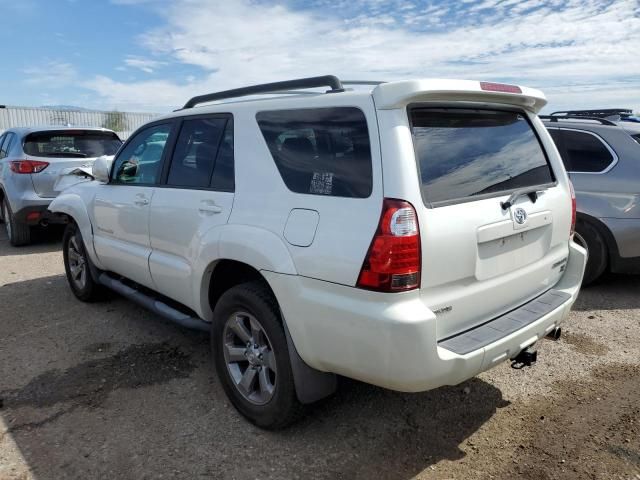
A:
(399, 94)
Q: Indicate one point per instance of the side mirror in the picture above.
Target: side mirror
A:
(102, 168)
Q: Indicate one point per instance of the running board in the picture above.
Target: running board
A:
(156, 306)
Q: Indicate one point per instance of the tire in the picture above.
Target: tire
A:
(77, 266)
(238, 361)
(19, 233)
(588, 237)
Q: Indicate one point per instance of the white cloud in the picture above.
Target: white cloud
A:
(145, 64)
(53, 74)
(564, 47)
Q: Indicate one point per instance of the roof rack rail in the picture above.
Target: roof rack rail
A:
(555, 118)
(601, 112)
(330, 81)
(363, 82)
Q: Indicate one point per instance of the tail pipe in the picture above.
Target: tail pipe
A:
(555, 334)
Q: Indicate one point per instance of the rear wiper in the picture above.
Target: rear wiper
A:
(532, 193)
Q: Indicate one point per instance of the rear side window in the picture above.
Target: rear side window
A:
(323, 151)
(204, 155)
(71, 143)
(464, 153)
(585, 152)
(6, 143)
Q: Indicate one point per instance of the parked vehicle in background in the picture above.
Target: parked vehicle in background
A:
(269, 222)
(623, 117)
(32, 162)
(602, 158)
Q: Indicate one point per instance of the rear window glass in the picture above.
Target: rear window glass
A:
(323, 151)
(462, 153)
(71, 143)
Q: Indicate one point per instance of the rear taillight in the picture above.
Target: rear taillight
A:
(27, 166)
(393, 261)
(573, 209)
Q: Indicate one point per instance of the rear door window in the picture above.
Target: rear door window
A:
(196, 151)
(585, 152)
(464, 154)
(71, 143)
(321, 151)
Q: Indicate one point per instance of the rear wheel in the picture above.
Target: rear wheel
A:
(588, 237)
(252, 358)
(77, 266)
(19, 233)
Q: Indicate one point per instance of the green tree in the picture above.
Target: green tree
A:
(116, 121)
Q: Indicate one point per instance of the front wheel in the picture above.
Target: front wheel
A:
(252, 358)
(77, 266)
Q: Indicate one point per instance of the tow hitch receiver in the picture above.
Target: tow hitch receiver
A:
(524, 359)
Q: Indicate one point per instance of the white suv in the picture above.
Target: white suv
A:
(408, 235)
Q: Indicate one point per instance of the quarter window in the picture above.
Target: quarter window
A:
(323, 151)
(140, 160)
(585, 152)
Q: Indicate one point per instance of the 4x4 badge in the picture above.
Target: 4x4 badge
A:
(520, 216)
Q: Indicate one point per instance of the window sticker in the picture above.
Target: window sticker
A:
(321, 183)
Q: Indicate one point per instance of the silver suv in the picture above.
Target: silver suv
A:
(33, 161)
(602, 158)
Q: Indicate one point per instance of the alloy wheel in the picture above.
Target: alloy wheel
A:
(7, 219)
(250, 359)
(77, 263)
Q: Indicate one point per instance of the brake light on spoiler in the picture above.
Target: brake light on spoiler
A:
(500, 87)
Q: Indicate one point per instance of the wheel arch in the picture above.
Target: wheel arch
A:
(74, 207)
(605, 233)
(311, 384)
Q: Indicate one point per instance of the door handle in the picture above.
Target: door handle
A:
(141, 200)
(209, 207)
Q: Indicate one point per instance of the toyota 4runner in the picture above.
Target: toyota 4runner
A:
(410, 235)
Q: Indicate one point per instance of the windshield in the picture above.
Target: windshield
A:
(71, 143)
(463, 153)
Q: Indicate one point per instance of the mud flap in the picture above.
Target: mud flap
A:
(311, 384)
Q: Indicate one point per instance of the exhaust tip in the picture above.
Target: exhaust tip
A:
(555, 334)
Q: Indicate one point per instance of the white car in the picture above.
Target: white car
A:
(409, 235)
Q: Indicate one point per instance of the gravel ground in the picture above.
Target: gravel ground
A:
(107, 391)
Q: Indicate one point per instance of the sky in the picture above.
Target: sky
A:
(153, 55)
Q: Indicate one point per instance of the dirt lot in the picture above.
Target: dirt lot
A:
(107, 391)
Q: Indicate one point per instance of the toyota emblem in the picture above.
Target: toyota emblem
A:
(520, 216)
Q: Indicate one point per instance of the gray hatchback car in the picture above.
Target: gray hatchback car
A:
(33, 161)
(602, 158)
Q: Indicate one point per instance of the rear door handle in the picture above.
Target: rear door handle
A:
(141, 201)
(209, 207)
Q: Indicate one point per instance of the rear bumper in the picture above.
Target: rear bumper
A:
(364, 335)
(39, 214)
